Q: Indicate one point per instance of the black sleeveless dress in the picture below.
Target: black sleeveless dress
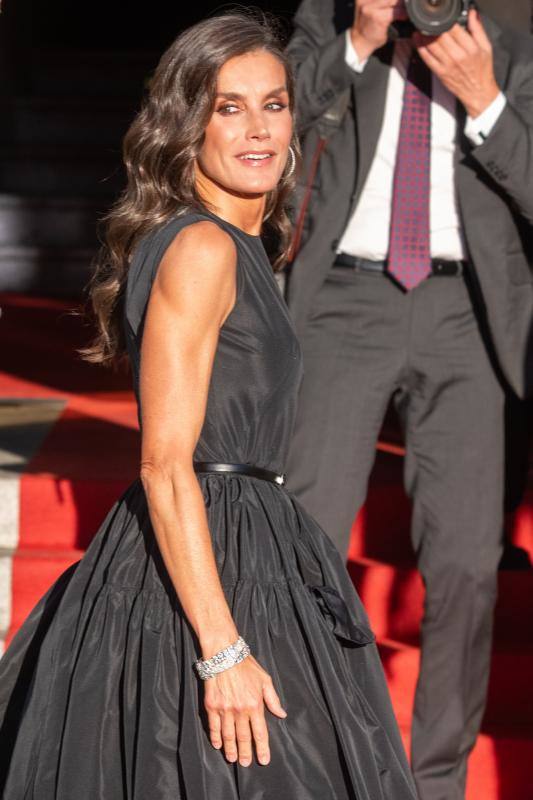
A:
(98, 696)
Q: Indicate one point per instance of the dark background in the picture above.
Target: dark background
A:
(98, 24)
(125, 26)
(72, 75)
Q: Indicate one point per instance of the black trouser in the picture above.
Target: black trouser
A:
(365, 341)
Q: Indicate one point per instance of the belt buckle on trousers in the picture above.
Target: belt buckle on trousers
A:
(442, 267)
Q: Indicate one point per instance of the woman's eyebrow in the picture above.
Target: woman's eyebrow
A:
(237, 96)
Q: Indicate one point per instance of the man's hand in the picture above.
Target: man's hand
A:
(463, 61)
(371, 23)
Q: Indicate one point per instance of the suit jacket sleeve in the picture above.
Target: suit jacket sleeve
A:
(317, 54)
(507, 153)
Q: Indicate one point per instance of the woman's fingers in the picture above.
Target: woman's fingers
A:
(272, 700)
(244, 739)
(215, 726)
(235, 704)
(260, 734)
(228, 736)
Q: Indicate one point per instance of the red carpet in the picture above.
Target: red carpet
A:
(91, 454)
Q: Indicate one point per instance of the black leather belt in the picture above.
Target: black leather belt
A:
(239, 469)
(439, 266)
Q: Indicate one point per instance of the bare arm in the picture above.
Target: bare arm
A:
(192, 295)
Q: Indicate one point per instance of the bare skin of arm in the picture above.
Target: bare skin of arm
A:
(193, 293)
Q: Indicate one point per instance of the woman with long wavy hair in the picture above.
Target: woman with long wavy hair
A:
(209, 645)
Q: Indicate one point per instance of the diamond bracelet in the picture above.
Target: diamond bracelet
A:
(223, 660)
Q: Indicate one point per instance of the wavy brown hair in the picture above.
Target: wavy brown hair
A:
(159, 153)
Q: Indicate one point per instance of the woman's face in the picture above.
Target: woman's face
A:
(249, 133)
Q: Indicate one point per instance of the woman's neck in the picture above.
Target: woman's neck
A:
(244, 212)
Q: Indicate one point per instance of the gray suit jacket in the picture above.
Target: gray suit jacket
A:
(494, 180)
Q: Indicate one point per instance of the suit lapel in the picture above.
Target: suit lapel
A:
(369, 102)
(501, 67)
(500, 54)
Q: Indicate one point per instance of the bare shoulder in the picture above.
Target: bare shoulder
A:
(198, 267)
(201, 248)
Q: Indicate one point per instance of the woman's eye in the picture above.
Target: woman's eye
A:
(231, 108)
(228, 109)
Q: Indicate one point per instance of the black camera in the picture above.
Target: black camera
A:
(431, 17)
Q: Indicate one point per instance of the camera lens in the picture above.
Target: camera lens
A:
(433, 17)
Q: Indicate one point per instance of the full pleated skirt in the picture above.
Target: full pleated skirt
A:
(99, 699)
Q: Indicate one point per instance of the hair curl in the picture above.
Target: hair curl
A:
(159, 153)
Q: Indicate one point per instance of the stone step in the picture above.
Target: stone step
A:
(24, 424)
(499, 765)
(6, 597)
(509, 697)
(47, 244)
(381, 531)
(393, 597)
(57, 272)
(37, 222)
(25, 581)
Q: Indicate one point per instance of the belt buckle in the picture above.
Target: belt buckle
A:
(441, 264)
(280, 480)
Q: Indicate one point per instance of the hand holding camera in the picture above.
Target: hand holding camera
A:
(372, 21)
(449, 36)
(376, 21)
(463, 61)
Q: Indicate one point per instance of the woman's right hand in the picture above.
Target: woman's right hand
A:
(235, 702)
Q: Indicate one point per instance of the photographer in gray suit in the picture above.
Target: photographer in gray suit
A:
(413, 281)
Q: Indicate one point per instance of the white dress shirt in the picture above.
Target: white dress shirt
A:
(367, 232)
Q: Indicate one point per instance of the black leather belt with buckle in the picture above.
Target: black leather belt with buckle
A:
(239, 469)
(439, 266)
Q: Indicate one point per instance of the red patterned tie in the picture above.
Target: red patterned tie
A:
(409, 249)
